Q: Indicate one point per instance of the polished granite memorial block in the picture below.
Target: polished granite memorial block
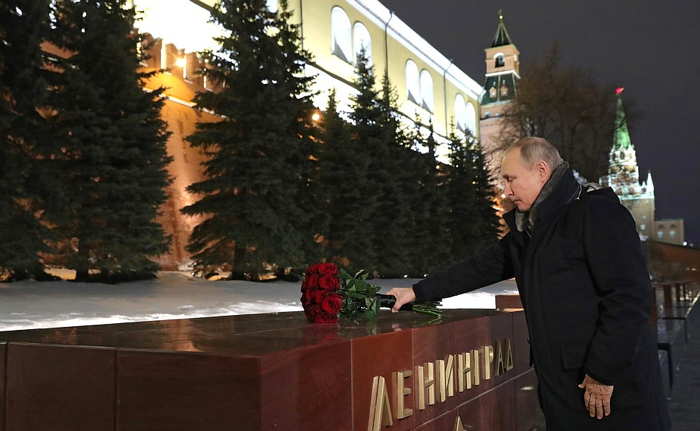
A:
(272, 371)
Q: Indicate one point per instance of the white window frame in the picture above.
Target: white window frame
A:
(427, 91)
(360, 33)
(471, 118)
(412, 81)
(341, 28)
(460, 112)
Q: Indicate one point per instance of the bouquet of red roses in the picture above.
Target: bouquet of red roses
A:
(328, 292)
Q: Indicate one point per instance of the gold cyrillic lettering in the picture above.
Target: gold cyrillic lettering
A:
(476, 366)
(400, 391)
(464, 371)
(424, 383)
(509, 355)
(379, 407)
(500, 366)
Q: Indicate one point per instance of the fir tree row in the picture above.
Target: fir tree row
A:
(83, 152)
(83, 157)
(282, 190)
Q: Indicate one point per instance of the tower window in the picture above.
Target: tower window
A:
(500, 60)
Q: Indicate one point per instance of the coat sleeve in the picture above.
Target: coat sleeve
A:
(621, 279)
(489, 265)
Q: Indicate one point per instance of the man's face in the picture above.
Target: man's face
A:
(522, 182)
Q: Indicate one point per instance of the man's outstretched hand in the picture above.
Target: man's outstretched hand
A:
(596, 397)
(403, 295)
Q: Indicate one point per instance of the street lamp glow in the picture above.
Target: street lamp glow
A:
(180, 62)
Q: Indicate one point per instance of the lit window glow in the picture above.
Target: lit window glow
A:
(341, 41)
(361, 39)
(412, 83)
(426, 90)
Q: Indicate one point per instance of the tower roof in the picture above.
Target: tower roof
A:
(621, 139)
(502, 37)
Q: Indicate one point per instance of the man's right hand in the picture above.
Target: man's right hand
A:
(403, 295)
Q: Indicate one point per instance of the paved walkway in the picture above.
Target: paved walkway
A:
(684, 401)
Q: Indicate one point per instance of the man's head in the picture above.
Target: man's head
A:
(526, 167)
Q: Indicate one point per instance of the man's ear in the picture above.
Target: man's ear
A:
(543, 171)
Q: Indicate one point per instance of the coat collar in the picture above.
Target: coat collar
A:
(564, 191)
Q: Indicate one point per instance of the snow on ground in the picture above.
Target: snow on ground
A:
(174, 295)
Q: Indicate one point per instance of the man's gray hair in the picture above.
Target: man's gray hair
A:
(534, 149)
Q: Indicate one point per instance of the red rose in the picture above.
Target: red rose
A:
(332, 303)
(328, 282)
(329, 268)
(313, 269)
(305, 298)
(310, 281)
(317, 295)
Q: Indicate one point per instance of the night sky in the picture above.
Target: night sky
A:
(648, 47)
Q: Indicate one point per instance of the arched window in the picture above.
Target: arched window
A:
(460, 113)
(471, 118)
(360, 40)
(341, 40)
(426, 90)
(412, 83)
(500, 60)
(273, 5)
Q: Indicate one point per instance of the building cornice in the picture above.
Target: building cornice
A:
(380, 15)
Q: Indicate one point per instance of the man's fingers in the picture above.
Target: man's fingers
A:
(403, 296)
(598, 408)
(591, 404)
(586, 398)
(395, 294)
(606, 406)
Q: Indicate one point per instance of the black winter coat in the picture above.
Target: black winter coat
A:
(584, 284)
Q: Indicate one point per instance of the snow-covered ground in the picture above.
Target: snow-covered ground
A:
(174, 295)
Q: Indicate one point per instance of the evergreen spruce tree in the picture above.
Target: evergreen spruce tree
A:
(343, 177)
(256, 197)
(432, 210)
(109, 143)
(487, 226)
(461, 195)
(376, 131)
(395, 216)
(473, 220)
(418, 199)
(23, 27)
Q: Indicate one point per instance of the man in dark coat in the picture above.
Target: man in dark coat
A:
(583, 280)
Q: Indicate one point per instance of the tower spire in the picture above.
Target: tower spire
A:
(622, 139)
(502, 37)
